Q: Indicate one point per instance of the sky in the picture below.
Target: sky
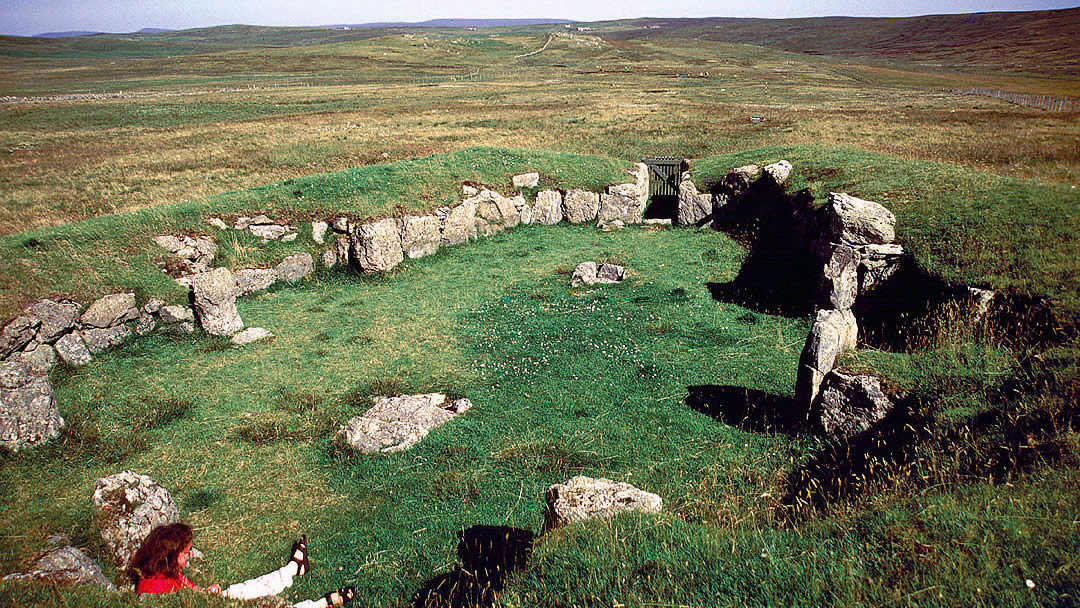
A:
(29, 17)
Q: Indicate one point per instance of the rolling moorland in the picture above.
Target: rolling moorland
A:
(106, 141)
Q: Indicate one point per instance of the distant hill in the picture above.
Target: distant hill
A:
(64, 34)
(154, 30)
(1040, 40)
(452, 23)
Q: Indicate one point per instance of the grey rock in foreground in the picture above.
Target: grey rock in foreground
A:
(250, 280)
(28, 413)
(215, 302)
(130, 506)
(459, 224)
(584, 498)
(848, 405)
(580, 206)
(838, 285)
(98, 340)
(72, 350)
(66, 565)
(778, 172)
(420, 235)
(397, 423)
(858, 222)
(694, 207)
(17, 334)
(56, 318)
(548, 208)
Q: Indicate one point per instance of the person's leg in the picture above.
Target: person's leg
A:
(267, 584)
(319, 603)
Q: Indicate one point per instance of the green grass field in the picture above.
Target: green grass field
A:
(966, 497)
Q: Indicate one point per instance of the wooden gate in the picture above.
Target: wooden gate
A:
(665, 172)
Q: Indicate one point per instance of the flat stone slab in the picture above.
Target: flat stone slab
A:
(397, 423)
(66, 565)
(584, 498)
(28, 412)
(251, 334)
(591, 273)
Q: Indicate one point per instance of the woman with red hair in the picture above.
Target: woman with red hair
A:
(158, 564)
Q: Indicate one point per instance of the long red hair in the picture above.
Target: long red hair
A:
(159, 552)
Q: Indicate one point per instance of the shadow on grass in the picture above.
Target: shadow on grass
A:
(489, 555)
(745, 408)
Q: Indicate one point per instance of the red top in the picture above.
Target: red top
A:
(159, 583)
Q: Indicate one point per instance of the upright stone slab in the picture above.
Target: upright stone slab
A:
(318, 231)
(833, 333)
(377, 247)
(838, 285)
(626, 202)
(694, 207)
(459, 225)
(877, 264)
(250, 280)
(548, 208)
(111, 310)
(71, 348)
(420, 235)
(214, 295)
(131, 506)
(584, 498)
(778, 173)
(28, 413)
(495, 212)
(580, 206)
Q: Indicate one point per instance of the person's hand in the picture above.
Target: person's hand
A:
(214, 589)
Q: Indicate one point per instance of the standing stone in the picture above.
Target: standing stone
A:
(693, 207)
(295, 267)
(833, 333)
(397, 423)
(100, 339)
(548, 208)
(66, 565)
(111, 310)
(877, 264)
(72, 350)
(131, 506)
(459, 226)
(584, 498)
(580, 206)
(215, 302)
(626, 202)
(250, 280)
(329, 258)
(494, 212)
(28, 413)
(342, 247)
(526, 180)
(848, 405)
(839, 282)
(377, 247)
(340, 224)
(318, 231)
(18, 334)
(56, 318)
(858, 222)
(778, 173)
(420, 235)
(41, 358)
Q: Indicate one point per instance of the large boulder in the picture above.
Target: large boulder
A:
(838, 285)
(28, 413)
(130, 506)
(250, 280)
(459, 223)
(294, 267)
(71, 349)
(214, 300)
(397, 423)
(111, 310)
(584, 498)
(17, 334)
(548, 208)
(833, 333)
(41, 357)
(580, 206)
(376, 247)
(66, 565)
(420, 235)
(694, 207)
(848, 405)
(55, 317)
(858, 222)
(778, 173)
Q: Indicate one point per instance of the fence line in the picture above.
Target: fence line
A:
(1043, 102)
